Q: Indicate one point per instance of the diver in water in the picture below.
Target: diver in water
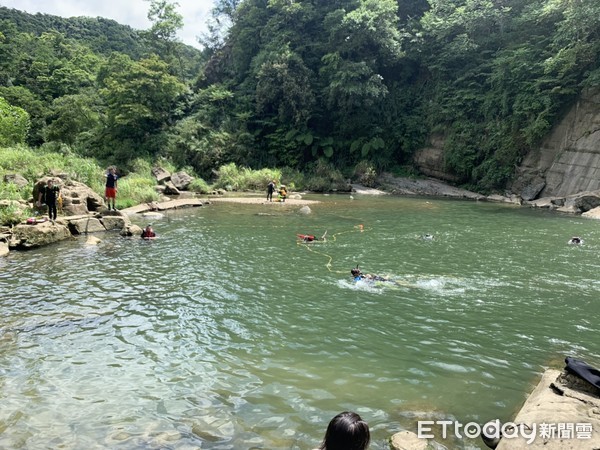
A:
(575, 240)
(357, 275)
(311, 238)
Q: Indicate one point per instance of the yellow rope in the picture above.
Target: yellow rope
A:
(309, 246)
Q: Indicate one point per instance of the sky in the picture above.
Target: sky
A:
(127, 12)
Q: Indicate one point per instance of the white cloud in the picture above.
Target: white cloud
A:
(127, 12)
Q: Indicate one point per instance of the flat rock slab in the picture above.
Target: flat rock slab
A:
(172, 204)
(562, 415)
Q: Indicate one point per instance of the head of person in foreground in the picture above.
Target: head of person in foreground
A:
(346, 431)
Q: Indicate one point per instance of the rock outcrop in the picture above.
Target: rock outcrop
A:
(171, 184)
(566, 163)
(181, 180)
(568, 160)
(430, 160)
(77, 198)
(32, 236)
(16, 179)
(560, 399)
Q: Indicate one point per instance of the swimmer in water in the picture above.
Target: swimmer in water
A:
(357, 275)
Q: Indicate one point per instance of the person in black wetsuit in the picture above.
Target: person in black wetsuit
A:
(49, 194)
(270, 190)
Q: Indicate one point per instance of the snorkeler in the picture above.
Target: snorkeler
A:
(358, 276)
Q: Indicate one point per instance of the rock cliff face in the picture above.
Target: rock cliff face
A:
(568, 160)
(566, 163)
(430, 160)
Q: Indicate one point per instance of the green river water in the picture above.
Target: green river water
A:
(226, 333)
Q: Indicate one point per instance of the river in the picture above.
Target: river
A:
(227, 333)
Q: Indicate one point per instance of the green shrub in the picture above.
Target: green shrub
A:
(135, 189)
(326, 178)
(199, 186)
(232, 178)
(228, 177)
(34, 164)
(13, 215)
(365, 173)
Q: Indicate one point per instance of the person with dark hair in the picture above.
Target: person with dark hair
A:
(346, 431)
(270, 190)
(357, 275)
(148, 232)
(110, 191)
(49, 194)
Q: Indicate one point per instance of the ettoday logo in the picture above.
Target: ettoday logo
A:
(494, 430)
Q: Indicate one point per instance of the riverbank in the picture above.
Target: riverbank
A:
(586, 204)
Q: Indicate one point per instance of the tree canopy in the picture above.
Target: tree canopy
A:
(299, 84)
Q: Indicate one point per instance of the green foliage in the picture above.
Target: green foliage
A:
(10, 191)
(233, 178)
(33, 164)
(324, 178)
(140, 97)
(344, 83)
(136, 188)
(14, 124)
(283, 87)
(199, 186)
(12, 214)
(365, 173)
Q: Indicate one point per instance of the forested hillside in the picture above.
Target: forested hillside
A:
(355, 86)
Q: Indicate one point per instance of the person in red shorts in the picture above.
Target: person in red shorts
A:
(110, 193)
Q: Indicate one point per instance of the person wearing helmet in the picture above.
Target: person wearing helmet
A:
(148, 232)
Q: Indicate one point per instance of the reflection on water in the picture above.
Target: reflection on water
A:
(226, 333)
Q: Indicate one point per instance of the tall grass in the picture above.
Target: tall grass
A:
(135, 189)
(33, 164)
(233, 178)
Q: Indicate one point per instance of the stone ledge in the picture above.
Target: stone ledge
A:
(557, 399)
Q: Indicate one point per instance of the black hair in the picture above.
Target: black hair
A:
(346, 431)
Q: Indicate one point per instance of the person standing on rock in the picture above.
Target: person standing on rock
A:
(110, 192)
(49, 194)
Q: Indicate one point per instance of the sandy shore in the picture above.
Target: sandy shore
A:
(261, 201)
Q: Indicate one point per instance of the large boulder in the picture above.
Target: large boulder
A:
(16, 179)
(86, 225)
(131, 230)
(170, 189)
(161, 175)
(181, 180)
(77, 198)
(80, 199)
(33, 236)
(587, 201)
(114, 222)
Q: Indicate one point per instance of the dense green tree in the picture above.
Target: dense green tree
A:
(140, 99)
(14, 124)
(73, 117)
(309, 83)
